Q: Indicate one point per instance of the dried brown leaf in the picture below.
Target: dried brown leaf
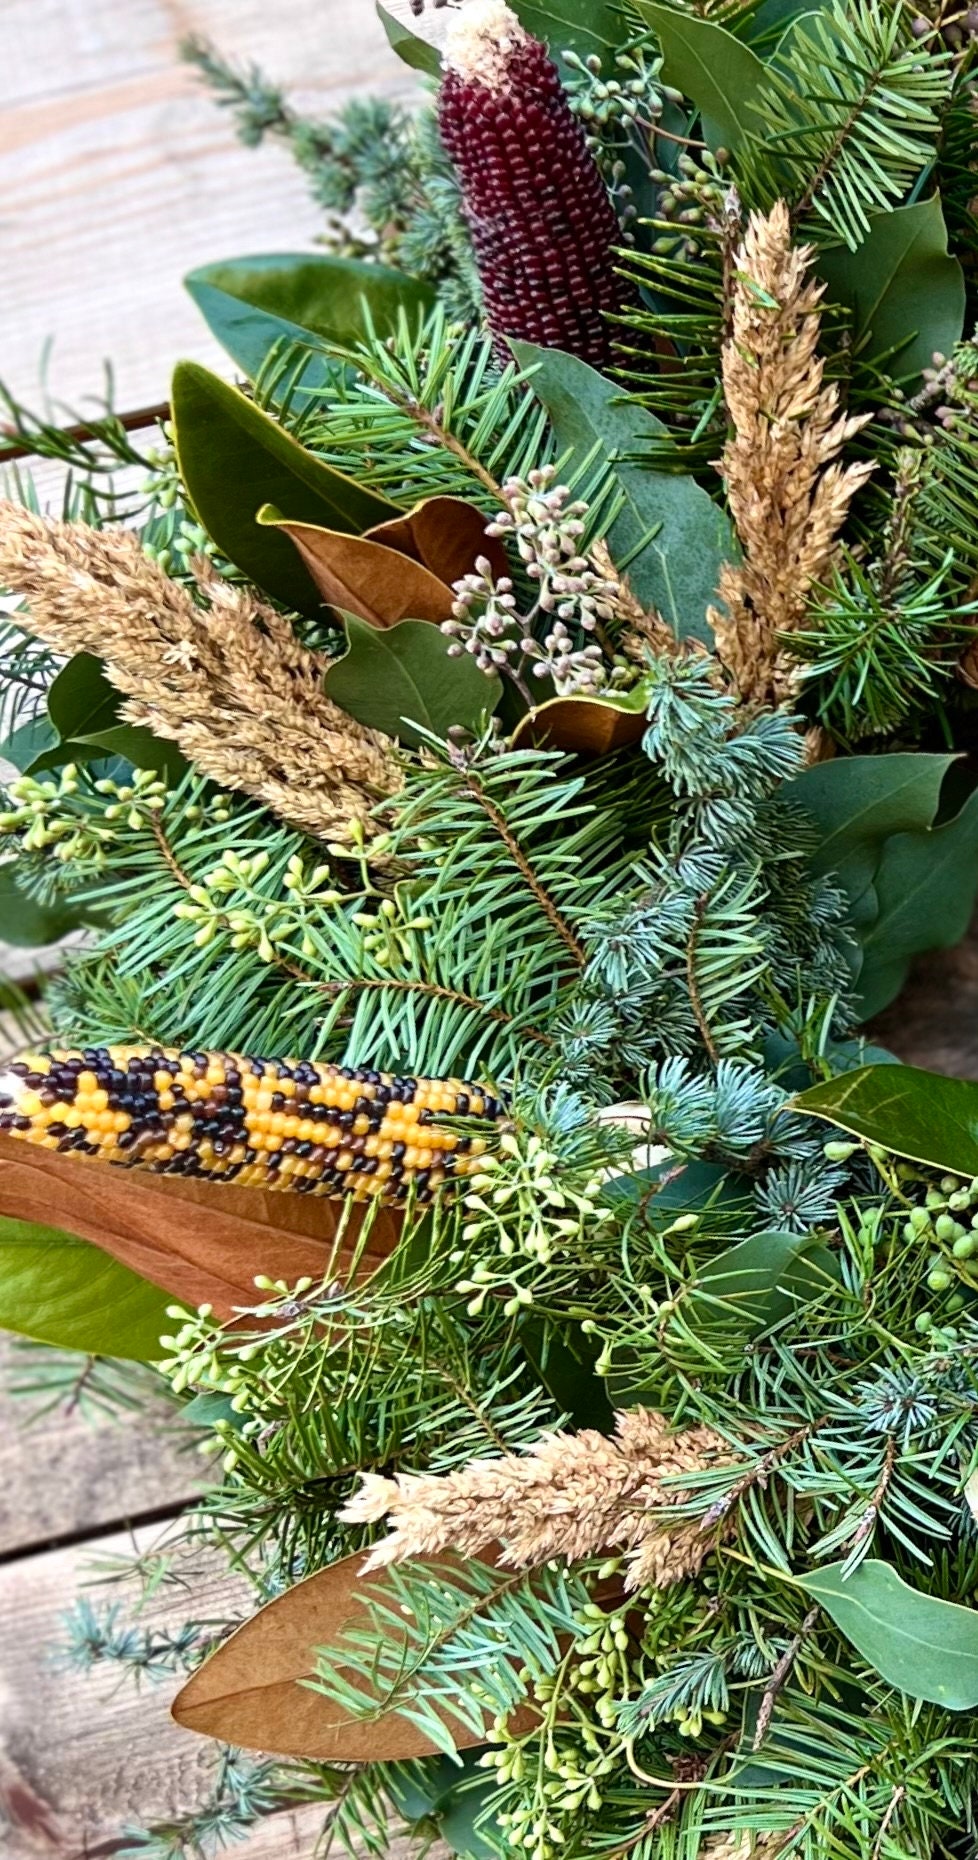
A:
(251, 1693)
(582, 726)
(201, 1241)
(367, 578)
(446, 535)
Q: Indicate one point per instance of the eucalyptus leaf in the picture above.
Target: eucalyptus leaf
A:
(858, 802)
(721, 74)
(905, 291)
(925, 1647)
(669, 536)
(395, 677)
(62, 1291)
(28, 746)
(754, 1285)
(250, 304)
(410, 47)
(234, 458)
(925, 886)
(923, 1116)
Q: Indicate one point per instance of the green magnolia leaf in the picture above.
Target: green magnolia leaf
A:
(925, 887)
(721, 74)
(252, 303)
(27, 924)
(395, 677)
(29, 746)
(81, 699)
(923, 1646)
(905, 291)
(583, 26)
(756, 1284)
(669, 536)
(565, 1366)
(409, 46)
(131, 743)
(924, 1116)
(62, 1291)
(233, 459)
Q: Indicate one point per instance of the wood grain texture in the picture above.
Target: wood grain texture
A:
(81, 1756)
(119, 173)
(63, 1474)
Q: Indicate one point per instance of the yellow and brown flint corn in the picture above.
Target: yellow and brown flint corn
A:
(262, 1123)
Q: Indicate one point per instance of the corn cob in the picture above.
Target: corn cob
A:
(262, 1123)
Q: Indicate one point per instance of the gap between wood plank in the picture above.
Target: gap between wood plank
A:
(85, 1534)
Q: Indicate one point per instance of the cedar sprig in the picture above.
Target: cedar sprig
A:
(227, 680)
(789, 493)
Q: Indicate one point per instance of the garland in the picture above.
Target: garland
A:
(499, 762)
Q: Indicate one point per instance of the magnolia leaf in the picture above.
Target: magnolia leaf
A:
(921, 1115)
(669, 537)
(582, 26)
(255, 1691)
(721, 74)
(82, 725)
(29, 746)
(925, 1647)
(28, 924)
(203, 1242)
(584, 726)
(857, 802)
(409, 46)
(59, 1290)
(363, 577)
(250, 304)
(393, 678)
(233, 459)
(905, 291)
(81, 698)
(445, 534)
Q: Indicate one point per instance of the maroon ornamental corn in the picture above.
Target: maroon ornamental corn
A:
(542, 223)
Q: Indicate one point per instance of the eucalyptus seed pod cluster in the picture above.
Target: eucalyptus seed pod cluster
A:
(543, 226)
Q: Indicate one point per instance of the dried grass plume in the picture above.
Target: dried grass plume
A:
(571, 1495)
(788, 493)
(228, 682)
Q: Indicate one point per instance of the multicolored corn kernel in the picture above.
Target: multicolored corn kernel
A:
(262, 1123)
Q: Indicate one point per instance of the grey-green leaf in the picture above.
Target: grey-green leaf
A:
(669, 537)
(62, 1291)
(925, 886)
(410, 47)
(395, 677)
(750, 1287)
(923, 1116)
(903, 287)
(584, 26)
(925, 1647)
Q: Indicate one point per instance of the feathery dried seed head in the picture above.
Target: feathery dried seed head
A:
(543, 226)
(228, 682)
(789, 495)
(570, 1495)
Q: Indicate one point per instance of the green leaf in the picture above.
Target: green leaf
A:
(252, 303)
(29, 746)
(721, 75)
(565, 1366)
(27, 924)
(924, 1116)
(81, 699)
(758, 1283)
(905, 291)
(132, 743)
(925, 887)
(857, 802)
(62, 1291)
(394, 677)
(925, 1647)
(409, 46)
(234, 458)
(669, 537)
(582, 26)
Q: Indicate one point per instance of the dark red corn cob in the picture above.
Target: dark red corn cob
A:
(542, 224)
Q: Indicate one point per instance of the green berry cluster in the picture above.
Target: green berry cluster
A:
(947, 1224)
(691, 198)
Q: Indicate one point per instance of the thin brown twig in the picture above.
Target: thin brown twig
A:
(892, 1806)
(780, 1675)
(87, 429)
(695, 998)
(523, 866)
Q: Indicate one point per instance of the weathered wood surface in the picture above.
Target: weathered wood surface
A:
(119, 174)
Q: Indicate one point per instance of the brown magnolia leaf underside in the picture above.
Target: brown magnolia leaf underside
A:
(251, 1692)
(446, 535)
(581, 726)
(367, 578)
(201, 1241)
